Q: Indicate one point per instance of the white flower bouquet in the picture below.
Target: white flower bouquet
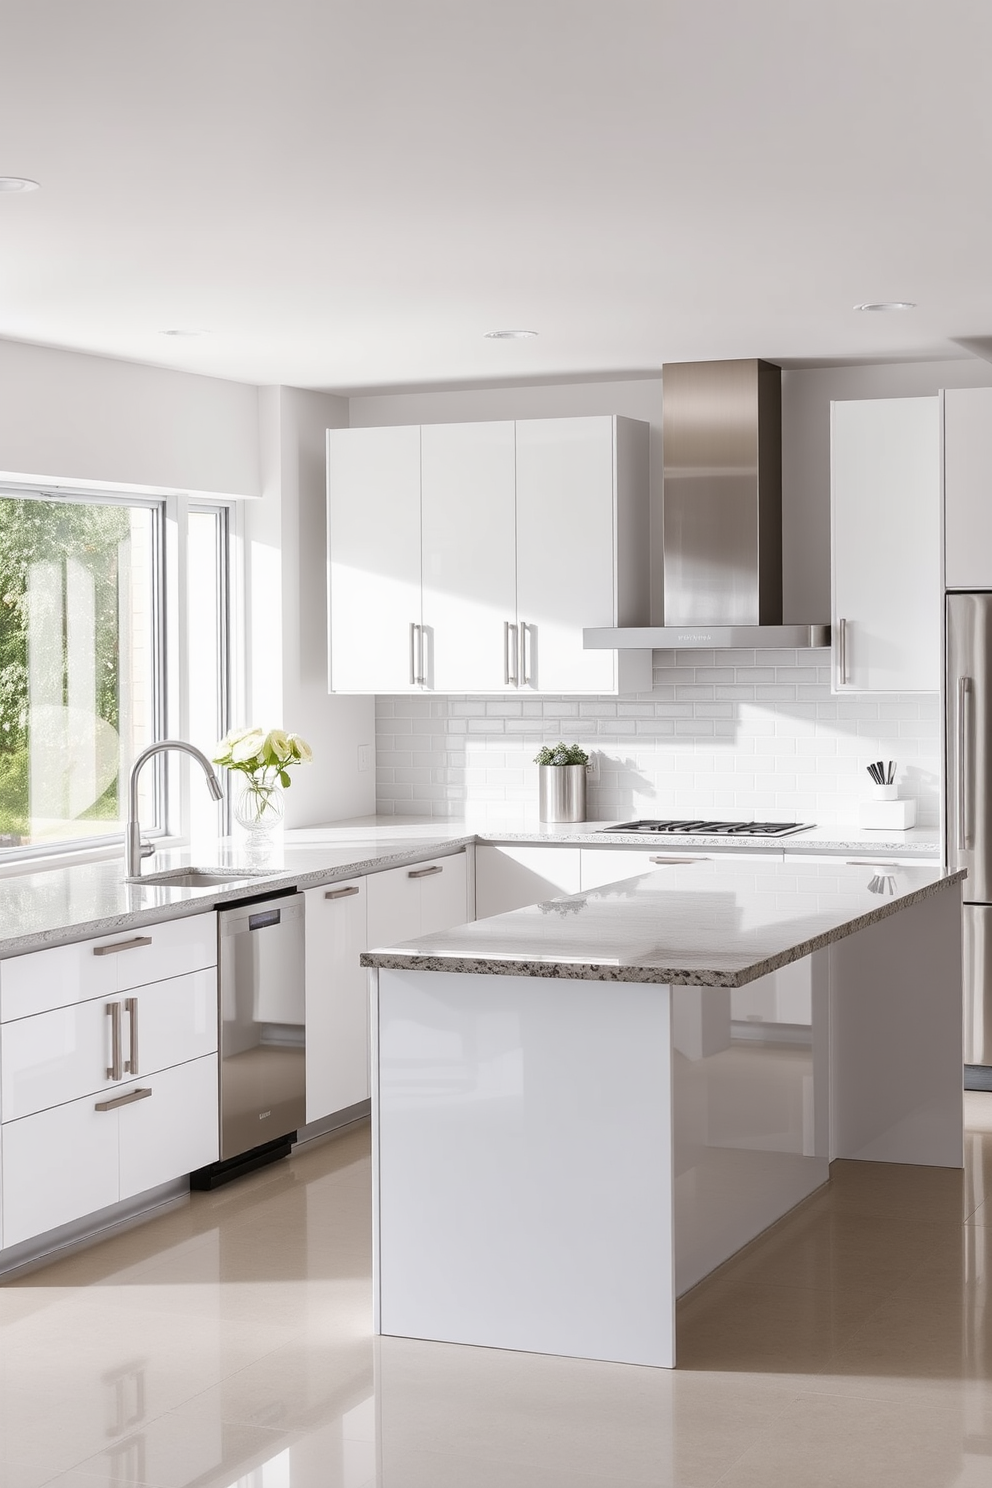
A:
(265, 759)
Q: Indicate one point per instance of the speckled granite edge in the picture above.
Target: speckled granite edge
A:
(656, 975)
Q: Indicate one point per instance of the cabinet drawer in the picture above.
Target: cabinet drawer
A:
(605, 865)
(57, 1166)
(66, 974)
(63, 1054)
(175, 1130)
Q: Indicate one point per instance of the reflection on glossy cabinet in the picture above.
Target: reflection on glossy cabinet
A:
(968, 488)
(416, 900)
(337, 998)
(511, 877)
(885, 524)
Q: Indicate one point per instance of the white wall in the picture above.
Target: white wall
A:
(287, 611)
(68, 417)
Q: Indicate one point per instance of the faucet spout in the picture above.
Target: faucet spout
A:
(134, 848)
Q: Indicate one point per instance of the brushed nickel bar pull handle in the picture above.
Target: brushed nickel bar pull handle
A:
(131, 1008)
(525, 679)
(425, 872)
(678, 860)
(414, 627)
(116, 1101)
(963, 763)
(342, 893)
(422, 653)
(871, 863)
(511, 671)
(844, 670)
(122, 945)
(115, 1070)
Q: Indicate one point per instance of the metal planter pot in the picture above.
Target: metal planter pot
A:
(563, 793)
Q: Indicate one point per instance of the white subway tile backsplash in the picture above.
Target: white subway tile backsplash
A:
(741, 733)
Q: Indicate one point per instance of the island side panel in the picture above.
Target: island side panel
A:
(750, 1096)
(896, 1037)
(522, 1149)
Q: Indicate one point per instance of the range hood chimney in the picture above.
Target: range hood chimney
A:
(722, 519)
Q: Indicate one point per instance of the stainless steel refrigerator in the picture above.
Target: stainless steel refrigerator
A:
(968, 813)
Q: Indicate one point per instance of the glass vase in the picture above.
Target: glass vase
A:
(259, 808)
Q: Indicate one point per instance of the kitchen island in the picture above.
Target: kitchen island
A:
(577, 1114)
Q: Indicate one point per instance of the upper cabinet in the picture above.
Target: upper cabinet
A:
(968, 488)
(885, 527)
(469, 557)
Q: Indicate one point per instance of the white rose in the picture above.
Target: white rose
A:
(301, 749)
(247, 746)
(277, 747)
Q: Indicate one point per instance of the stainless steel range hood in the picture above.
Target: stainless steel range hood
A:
(722, 518)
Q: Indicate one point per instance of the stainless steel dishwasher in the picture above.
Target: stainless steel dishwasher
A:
(262, 1034)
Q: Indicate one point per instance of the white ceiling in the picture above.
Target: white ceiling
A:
(348, 193)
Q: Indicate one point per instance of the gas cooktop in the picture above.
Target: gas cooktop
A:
(712, 828)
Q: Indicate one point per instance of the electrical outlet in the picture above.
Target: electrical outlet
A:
(366, 756)
(592, 769)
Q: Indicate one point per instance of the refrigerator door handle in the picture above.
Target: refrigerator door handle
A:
(963, 762)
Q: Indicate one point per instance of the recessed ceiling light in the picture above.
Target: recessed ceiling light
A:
(509, 335)
(183, 333)
(17, 183)
(888, 305)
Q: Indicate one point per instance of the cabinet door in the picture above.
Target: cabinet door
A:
(172, 1131)
(968, 488)
(57, 1166)
(373, 535)
(885, 518)
(171, 1022)
(404, 903)
(443, 892)
(512, 877)
(337, 998)
(468, 555)
(566, 550)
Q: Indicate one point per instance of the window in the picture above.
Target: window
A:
(87, 602)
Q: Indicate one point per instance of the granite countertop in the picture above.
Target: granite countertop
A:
(49, 905)
(707, 924)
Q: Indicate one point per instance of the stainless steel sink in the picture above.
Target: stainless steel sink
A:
(203, 878)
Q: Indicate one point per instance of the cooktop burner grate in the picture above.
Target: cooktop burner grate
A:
(689, 826)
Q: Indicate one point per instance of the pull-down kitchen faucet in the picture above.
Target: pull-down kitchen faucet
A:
(134, 848)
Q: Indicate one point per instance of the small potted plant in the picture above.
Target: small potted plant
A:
(562, 782)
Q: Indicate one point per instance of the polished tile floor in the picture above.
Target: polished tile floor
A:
(227, 1344)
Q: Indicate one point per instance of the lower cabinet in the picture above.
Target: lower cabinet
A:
(71, 1160)
(417, 899)
(337, 998)
(510, 877)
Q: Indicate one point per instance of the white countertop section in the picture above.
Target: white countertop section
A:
(707, 924)
(53, 905)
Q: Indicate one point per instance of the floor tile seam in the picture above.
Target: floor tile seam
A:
(952, 1408)
(223, 1379)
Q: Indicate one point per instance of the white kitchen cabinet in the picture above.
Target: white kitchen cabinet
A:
(173, 1131)
(373, 534)
(606, 865)
(416, 900)
(468, 556)
(57, 1166)
(66, 1052)
(106, 965)
(582, 539)
(511, 876)
(968, 488)
(500, 542)
(885, 526)
(337, 998)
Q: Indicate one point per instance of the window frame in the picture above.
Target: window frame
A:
(171, 646)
